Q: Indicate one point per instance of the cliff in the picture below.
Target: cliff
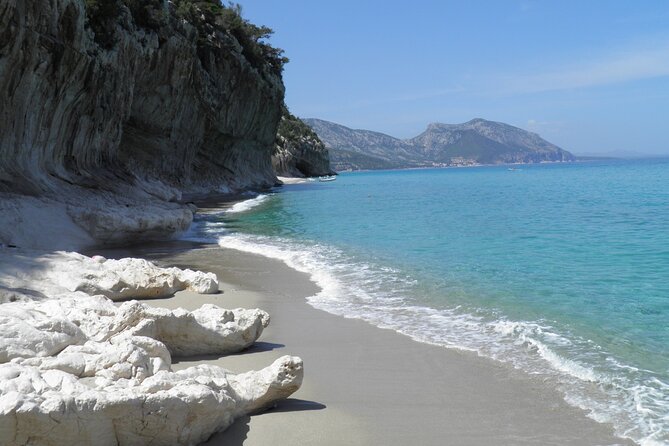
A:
(120, 104)
(474, 142)
(299, 152)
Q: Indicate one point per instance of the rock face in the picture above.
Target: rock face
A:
(475, 142)
(158, 103)
(60, 273)
(127, 107)
(298, 151)
(77, 369)
(164, 409)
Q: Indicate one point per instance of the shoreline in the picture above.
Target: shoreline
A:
(364, 384)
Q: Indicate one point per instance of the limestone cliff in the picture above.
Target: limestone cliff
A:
(299, 152)
(127, 104)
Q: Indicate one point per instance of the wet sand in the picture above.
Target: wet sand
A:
(365, 385)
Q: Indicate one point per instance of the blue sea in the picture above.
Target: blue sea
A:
(560, 270)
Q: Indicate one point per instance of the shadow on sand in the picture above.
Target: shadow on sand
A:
(257, 347)
(237, 433)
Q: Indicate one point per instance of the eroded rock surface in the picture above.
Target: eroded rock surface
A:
(54, 407)
(33, 275)
(158, 103)
(77, 369)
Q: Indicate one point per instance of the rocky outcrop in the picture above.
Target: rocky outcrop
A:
(126, 107)
(164, 409)
(60, 273)
(472, 143)
(77, 369)
(299, 152)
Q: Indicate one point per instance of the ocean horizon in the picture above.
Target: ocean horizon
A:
(558, 270)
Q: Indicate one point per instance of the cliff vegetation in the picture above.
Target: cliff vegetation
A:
(299, 152)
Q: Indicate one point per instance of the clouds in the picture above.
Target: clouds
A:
(635, 63)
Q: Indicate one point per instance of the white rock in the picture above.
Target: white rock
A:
(209, 329)
(32, 222)
(126, 278)
(197, 281)
(79, 370)
(77, 218)
(61, 273)
(28, 331)
(53, 407)
(44, 328)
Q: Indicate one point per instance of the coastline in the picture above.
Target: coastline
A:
(367, 385)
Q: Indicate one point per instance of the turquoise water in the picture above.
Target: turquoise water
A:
(559, 270)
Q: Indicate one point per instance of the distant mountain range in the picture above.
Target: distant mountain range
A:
(475, 142)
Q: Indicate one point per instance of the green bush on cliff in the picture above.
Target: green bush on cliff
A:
(293, 128)
(146, 13)
(206, 15)
(101, 15)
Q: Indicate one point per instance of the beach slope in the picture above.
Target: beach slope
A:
(365, 385)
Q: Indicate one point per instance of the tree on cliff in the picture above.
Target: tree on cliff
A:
(206, 15)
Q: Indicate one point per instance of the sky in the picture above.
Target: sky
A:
(590, 76)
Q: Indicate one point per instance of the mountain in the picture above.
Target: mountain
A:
(364, 148)
(486, 142)
(474, 142)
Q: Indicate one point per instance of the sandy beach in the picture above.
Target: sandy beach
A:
(365, 385)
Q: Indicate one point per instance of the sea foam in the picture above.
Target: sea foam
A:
(247, 205)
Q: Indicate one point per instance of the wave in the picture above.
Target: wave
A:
(247, 205)
(208, 225)
(635, 401)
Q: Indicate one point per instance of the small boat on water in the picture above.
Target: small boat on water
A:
(327, 178)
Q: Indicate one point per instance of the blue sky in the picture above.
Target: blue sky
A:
(590, 76)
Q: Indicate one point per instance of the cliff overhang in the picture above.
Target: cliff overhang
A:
(113, 113)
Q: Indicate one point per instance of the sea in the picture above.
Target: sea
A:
(559, 270)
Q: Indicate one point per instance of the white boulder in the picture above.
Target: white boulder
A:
(126, 278)
(53, 407)
(27, 275)
(80, 370)
(44, 328)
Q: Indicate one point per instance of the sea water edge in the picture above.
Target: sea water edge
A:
(398, 248)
